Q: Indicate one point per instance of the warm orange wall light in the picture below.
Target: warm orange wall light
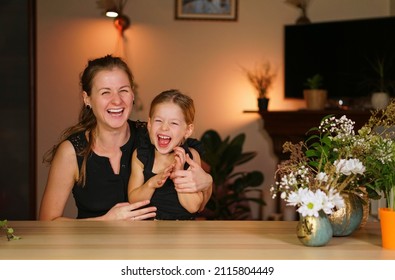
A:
(114, 9)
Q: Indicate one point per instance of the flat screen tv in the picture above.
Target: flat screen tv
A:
(342, 52)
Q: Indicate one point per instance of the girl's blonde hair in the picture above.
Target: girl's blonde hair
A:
(175, 96)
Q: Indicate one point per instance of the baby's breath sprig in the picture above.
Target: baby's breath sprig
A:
(8, 231)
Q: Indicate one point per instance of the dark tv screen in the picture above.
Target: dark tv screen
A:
(342, 52)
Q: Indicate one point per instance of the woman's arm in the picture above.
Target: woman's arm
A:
(207, 193)
(190, 201)
(193, 180)
(62, 175)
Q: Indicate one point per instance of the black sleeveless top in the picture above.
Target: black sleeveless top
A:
(103, 189)
(165, 198)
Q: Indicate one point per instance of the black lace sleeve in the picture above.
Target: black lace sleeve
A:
(142, 137)
(79, 142)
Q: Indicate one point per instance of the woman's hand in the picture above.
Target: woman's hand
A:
(195, 179)
(126, 211)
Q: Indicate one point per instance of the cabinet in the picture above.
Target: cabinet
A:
(292, 126)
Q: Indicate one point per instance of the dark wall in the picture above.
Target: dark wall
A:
(17, 110)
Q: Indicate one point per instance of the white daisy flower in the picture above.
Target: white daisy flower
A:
(311, 204)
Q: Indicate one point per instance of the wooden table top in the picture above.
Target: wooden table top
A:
(182, 240)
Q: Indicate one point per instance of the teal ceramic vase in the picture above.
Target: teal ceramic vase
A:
(346, 220)
(314, 231)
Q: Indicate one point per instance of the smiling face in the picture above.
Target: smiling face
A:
(111, 98)
(167, 127)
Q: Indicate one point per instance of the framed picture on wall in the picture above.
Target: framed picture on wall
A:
(206, 10)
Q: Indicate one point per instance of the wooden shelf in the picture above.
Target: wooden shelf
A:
(292, 126)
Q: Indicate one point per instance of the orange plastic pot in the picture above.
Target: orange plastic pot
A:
(387, 222)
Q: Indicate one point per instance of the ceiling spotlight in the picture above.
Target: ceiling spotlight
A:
(114, 9)
(111, 13)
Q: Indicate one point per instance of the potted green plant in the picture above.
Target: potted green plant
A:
(229, 200)
(380, 163)
(261, 78)
(381, 86)
(314, 94)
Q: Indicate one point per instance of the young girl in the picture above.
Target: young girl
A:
(170, 123)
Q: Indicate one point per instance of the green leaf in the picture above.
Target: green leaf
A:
(325, 140)
(229, 187)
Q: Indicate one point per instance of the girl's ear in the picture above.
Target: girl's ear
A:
(149, 123)
(189, 130)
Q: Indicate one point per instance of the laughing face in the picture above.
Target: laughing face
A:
(167, 127)
(111, 98)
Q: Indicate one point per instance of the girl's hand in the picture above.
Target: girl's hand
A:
(159, 179)
(180, 158)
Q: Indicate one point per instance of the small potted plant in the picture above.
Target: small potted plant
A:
(302, 5)
(261, 78)
(314, 94)
(380, 85)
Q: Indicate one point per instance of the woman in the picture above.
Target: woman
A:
(92, 159)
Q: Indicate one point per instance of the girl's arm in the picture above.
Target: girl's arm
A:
(137, 189)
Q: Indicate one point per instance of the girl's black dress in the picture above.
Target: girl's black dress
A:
(165, 198)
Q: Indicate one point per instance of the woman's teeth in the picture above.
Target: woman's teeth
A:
(115, 111)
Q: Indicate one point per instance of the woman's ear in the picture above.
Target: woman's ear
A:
(86, 98)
